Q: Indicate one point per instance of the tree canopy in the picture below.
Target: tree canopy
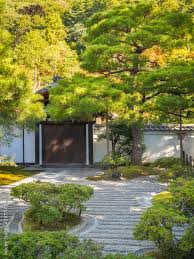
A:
(39, 45)
(83, 97)
(133, 40)
(18, 103)
(136, 58)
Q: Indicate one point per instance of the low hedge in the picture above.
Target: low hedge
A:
(54, 245)
(174, 208)
(48, 245)
(167, 162)
(8, 164)
(51, 203)
(175, 171)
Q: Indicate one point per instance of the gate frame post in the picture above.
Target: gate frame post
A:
(40, 144)
(87, 145)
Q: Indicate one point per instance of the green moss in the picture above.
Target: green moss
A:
(11, 174)
(127, 172)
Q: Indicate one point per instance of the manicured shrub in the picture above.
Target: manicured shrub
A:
(168, 175)
(187, 241)
(45, 245)
(8, 164)
(129, 256)
(55, 245)
(166, 162)
(113, 161)
(51, 203)
(170, 209)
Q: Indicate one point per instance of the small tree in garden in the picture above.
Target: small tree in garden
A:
(120, 136)
(50, 203)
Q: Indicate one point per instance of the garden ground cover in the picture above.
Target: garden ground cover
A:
(9, 174)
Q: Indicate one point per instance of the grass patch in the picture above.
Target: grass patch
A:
(69, 221)
(127, 172)
(10, 174)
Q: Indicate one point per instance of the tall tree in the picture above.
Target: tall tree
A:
(76, 18)
(18, 104)
(39, 45)
(130, 40)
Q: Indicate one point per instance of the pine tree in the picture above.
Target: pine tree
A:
(173, 87)
(131, 40)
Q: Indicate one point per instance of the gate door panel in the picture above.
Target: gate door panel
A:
(64, 144)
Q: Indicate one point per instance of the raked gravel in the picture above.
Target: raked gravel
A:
(112, 212)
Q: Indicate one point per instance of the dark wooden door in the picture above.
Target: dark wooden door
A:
(64, 144)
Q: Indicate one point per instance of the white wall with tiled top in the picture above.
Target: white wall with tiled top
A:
(157, 144)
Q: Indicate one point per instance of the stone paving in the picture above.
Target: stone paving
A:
(112, 212)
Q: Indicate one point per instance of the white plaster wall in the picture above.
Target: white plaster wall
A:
(157, 144)
(15, 149)
(100, 147)
(165, 144)
(29, 146)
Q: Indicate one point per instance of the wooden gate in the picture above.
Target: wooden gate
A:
(64, 144)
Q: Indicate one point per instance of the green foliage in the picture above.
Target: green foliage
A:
(130, 172)
(136, 40)
(183, 196)
(173, 86)
(82, 97)
(113, 161)
(126, 172)
(8, 163)
(169, 210)
(38, 39)
(129, 256)
(171, 168)
(167, 162)
(11, 174)
(157, 224)
(47, 245)
(120, 135)
(51, 203)
(76, 19)
(55, 245)
(17, 102)
(174, 172)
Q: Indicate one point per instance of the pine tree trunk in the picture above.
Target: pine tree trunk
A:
(137, 149)
(113, 148)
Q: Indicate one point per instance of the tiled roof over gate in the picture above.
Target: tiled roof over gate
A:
(169, 127)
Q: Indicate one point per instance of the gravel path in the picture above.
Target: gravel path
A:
(112, 212)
